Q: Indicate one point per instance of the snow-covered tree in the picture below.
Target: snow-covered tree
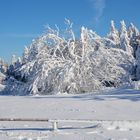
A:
(14, 59)
(138, 63)
(25, 55)
(124, 39)
(136, 46)
(133, 31)
(3, 66)
(15, 64)
(114, 34)
(133, 34)
(56, 62)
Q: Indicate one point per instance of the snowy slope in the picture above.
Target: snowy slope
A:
(115, 107)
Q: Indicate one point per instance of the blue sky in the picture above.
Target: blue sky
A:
(23, 20)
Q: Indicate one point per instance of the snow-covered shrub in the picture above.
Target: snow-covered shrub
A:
(61, 63)
(56, 62)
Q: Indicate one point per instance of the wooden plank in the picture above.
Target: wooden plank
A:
(24, 119)
(91, 120)
(56, 121)
(64, 120)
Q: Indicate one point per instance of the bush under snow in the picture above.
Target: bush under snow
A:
(61, 63)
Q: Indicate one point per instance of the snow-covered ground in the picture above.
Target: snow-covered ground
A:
(117, 112)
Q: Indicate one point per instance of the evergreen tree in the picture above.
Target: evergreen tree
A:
(124, 39)
(3, 66)
(25, 55)
(114, 34)
(133, 31)
(13, 60)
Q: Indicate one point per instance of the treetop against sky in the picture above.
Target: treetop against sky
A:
(23, 20)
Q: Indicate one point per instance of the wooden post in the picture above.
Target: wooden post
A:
(55, 125)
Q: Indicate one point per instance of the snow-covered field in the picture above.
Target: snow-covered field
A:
(116, 116)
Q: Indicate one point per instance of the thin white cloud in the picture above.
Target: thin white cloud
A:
(98, 6)
(14, 35)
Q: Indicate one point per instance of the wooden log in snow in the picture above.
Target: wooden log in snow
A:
(24, 119)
